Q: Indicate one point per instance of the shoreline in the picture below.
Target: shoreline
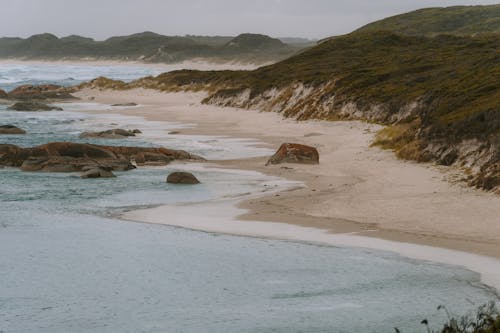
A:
(195, 64)
(301, 209)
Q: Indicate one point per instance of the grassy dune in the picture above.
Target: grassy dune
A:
(459, 20)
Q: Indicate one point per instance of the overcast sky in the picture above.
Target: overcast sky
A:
(279, 18)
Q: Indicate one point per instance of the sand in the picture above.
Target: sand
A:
(358, 195)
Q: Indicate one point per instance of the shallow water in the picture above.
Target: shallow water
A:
(16, 74)
(68, 266)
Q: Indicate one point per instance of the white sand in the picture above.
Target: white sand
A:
(356, 189)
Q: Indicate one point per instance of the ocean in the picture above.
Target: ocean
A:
(69, 264)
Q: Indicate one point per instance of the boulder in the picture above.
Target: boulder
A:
(43, 91)
(152, 159)
(33, 106)
(136, 131)
(11, 129)
(295, 153)
(72, 157)
(97, 172)
(182, 178)
(117, 133)
(3, 94)
(125, 104)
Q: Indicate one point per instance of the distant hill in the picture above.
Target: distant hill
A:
(441, 95)
(458, 20)
(148, 46)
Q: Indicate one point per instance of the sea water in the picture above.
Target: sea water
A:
(67, 264)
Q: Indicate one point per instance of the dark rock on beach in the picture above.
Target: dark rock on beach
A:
(125, 104)
(33, 106)
(182, 178)
(11, 129)
(73, 157)
(117, 133)
(295, 153)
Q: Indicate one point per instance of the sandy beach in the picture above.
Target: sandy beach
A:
(357, 195)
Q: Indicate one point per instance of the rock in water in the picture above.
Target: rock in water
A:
(33, 106)
(96, 172)
(295, 153)
(182, 178)
(11, 129)
(43, 91)
(3, 94)
(117, 133)
(71, 157)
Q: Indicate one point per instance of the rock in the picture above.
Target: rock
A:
(33, 106)
(295, 153)
(174, 132)
(3, 94)
(97, 173)
(308, 135)
(11, 129)
(117, 133)
(152, 159)
(43, 91)
(73, 157)
(125, 104)
(136, 131)
(182, 178)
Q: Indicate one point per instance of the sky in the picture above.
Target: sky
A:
(101, 19)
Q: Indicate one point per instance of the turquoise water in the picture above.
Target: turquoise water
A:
(68, 265)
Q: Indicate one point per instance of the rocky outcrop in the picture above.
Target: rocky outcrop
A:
(3, 94)
(103, 83)
(180, 177)
(11, 129)
(117, 133)
(43, 91)
(33, 106)
(295, 153)
(73, 157)
(96, 172)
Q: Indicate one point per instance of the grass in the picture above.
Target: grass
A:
(459, 20)
(486, 319)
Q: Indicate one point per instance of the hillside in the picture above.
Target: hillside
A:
(440, 94)
(149, 47)
(458, 20)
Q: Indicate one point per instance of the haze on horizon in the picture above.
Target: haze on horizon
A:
(101, 19)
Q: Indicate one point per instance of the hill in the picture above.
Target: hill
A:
(440, 94)
(458, 20)
(148, 46)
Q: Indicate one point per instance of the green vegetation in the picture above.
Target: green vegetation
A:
(485, 320)
(456, 78)
(438, 91)
(459, 20)
(149, 47)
